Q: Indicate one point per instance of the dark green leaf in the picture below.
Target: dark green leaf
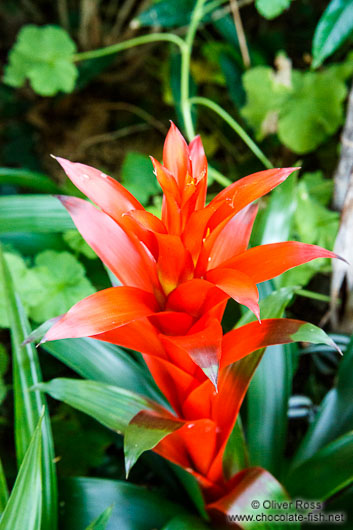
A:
(325, 473)
(185, 522)
(104, 362)
(192, 487)
(4, 492)
(236, 455)
(28, 404)
(112, 406)
(144, 432)
(101, 522)
(28, 179)
(137, 176)
(23, 509)
(335, 416)
(44, 56)
(334, 27)
(33, 213)
(167, 14)
(135, 507)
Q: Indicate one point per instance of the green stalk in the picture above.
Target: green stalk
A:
(137, 41)
(185, 69)
(235, 126)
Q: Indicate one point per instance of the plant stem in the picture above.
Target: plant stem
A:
(185, 69)
(235, 126)
(313, 295)
(137, 41)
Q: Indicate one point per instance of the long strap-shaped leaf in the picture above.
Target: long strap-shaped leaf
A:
(327, 472)
(112, 406)
(28, 403)
(24, 507)
(4, 493)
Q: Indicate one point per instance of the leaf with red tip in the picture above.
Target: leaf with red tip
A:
(267, 261)
(250, 485)
(124, 256)
(204, 348)
(176, 155)
(248, 189)
(103, 311)
(244, 340)
(237, 285)
(144, 432)
(103, 190)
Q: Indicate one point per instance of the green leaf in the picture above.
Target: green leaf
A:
(313, 112)
(28, 286)
(137, 176)
(63, 283)
(334, 27)
(335, 415)
(263, 106)
(271, 8)
(4, 492)
(33, 213)
(92, 441)
(44, 56)
(276, 223)
(112, 406)
(23, 509)
(29, 404)
(104, 362)
(185, 522)
(144, 432)
(236, 456)
(266, 438)
(28, 179)
(76, 242)
(166, 14)
(303, 108)
(324, 474)
(4, 362)
(102, 520)
(192, 487)
(135, 507)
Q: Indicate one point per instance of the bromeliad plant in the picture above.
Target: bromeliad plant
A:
(176, 275)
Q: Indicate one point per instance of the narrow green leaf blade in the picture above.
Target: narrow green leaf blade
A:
(335, 415)
(23, 509)
(28, 179)
(324, 474)
(104, 362)
(334, 27)
(135, 507)
(29, 404)
(33, 213)
(102, 520)
(4, 492)
(112, 406)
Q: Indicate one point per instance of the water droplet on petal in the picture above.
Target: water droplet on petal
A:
(84, 176)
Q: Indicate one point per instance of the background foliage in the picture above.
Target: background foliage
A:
(286, 88)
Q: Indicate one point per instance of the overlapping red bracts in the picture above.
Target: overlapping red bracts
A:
(176, 275)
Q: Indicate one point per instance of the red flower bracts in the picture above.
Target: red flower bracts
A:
(176, 275)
